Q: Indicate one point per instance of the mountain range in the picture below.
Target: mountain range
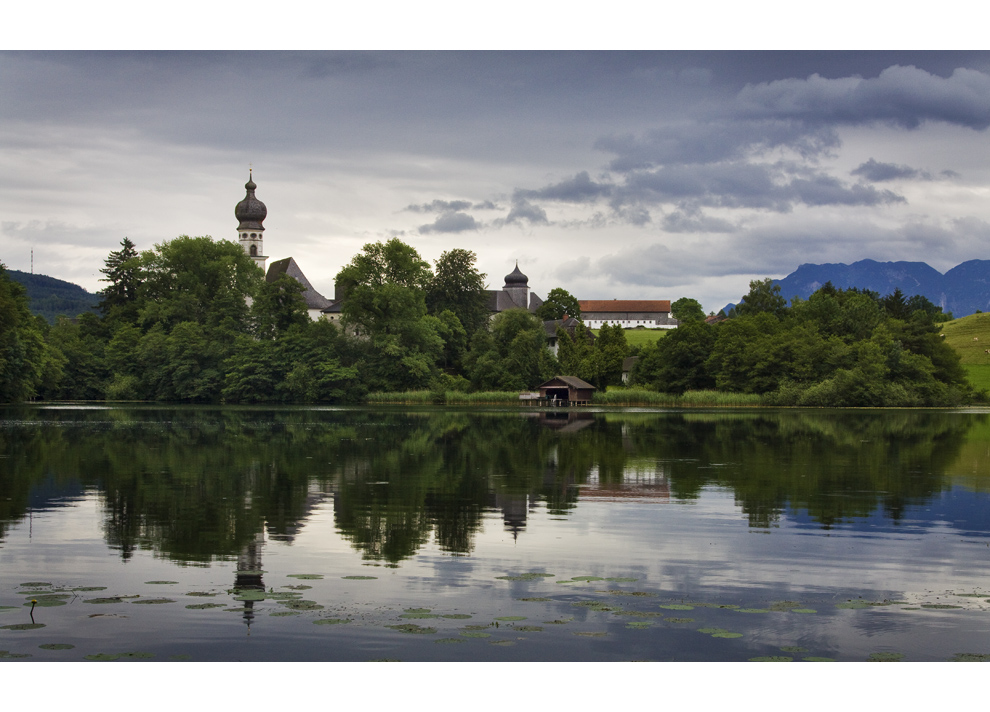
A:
(963, 290)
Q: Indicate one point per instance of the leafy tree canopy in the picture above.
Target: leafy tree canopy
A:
(687, 309)
(558, 304)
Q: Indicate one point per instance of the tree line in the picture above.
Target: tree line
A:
(194, 320)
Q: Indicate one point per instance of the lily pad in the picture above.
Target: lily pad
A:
(103, 657)
(90, 588)
(772, 659)
(202, 593)
(803, 610)
(639, 614)
(970, 595)
(417, 610)
(531, 576)
(160, 583)
(939, 606)
(886, 657)
(57, 646)
(359, 578)
(102, 601)
(784, 605)
(970, 658)
(331, 621)
(248, 596)
(475, 634)
(528, 628)
(204, 606)
(22, 626)
(413, 628)
(308, 577)
(8, 654)
(534, 599)
(719, 633)
(793, 649)
(679, 620)
(7, 608)
(621, 579)
(419, 615)
(45, 602)
(299, 587)
(302, 605)
(752, 610)
(34, 584)
(456, 616)
(595, 605)
(587, 578)
(503, 643)
(590, 634)
(154, 601)
(447, 641)
(285, 613)
(511, 618)
(631, 593)
(677, 607)
(814, 659)
(638, 624)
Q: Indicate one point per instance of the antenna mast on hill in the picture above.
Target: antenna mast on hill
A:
(32, 260)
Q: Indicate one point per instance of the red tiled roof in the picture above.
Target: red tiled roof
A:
(624, 305)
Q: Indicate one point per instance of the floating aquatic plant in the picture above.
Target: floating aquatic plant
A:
(719, 633)
(201, 593)
(528, 628)
(772, 659)
(154, 601)
(639, 624)
(475, 634)
(285, 613)
(503, 643)
(8, 654)
(299, 587)
(526, 577)
(101, 601)
(57, 646)
(533, 599)
(447, 641)
(970, 658)
(308, 577)
(615, 592)
(784, 605)
(886, 657)
(939, 606)
(203, 606)
(358, 578)
(22, 626)
(331, 621)
(511, 618)
(160, 583)
(44, 602)
(413, 628)
(302, 605)
(90, 588)
(590, 634)
(793, 649)
(679, 620)
(752, 610)
(814, 659)
(456, 616)
(677, 606)
(34, 584)
(621, 579)
(102, 657)
(558, 621)
(803, 610)
(419, 615)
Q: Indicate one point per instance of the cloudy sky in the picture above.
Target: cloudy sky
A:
(612, 175)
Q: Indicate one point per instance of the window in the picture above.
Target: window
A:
(254, 250)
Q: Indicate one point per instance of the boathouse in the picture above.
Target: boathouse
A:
(567, 390)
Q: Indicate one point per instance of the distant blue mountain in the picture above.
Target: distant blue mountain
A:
(50, 298)
(963, 290)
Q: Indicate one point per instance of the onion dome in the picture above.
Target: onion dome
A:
(516, 278)
(250, 212)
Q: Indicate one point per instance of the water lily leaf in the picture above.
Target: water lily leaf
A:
(285, 613)
(7, 608)
(201, 593)
(503, 643)
(103, 657)
(793, 649)
(511, 618)
(22, 626)
(589, 634)
(783, 605)
(57, 646)
(639, 624)
(331, 621)
(803, 610)
(456, 616)
(419, 615)
(528, 628)
(587, 578)
(45, 602)
(752, 610)
(772, 659)
(970, 658)
(417, 610)
(447, 641)
(526, 577)
(939, 606)
(160, 583)
(970, 595)
(621, 579)
(475, 634)
(818, 660)
(299, 587)
(34, 584)
(631, 593)
(99, 601)
(204, 606)
(308, 577)
(679, 620)
(359, 578)
(8, 654)
(154, 601)
(90, 588)
(413, 628)
(302, 605)
(719, 633)
(886, 657)
(532, 599)
(558, 621)
(677, 606)
(249, 596)
(477, 627)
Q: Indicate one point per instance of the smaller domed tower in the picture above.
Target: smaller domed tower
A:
(250, 214)
(517, 287)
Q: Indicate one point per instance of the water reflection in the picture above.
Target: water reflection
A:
(199, 484)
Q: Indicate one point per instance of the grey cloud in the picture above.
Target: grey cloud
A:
(439, 206)
(579, 189)
(905, 96)
(486, 205)
(451, 222)
(678, 221)
(522, 209)
(878, 172)
(826, 190)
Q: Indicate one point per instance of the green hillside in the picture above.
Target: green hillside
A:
(50, 298)
(970, 337)
(639, 337)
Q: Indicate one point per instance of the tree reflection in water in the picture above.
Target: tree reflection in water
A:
(202, 484)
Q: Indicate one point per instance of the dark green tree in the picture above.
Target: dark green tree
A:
(687, 309)
(457, 286)
(27, 362)
(763, 297)
(558, 304)
(122, 269)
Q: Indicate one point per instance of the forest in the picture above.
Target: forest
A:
(193, 320)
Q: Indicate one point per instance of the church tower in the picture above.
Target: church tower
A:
(251, 213)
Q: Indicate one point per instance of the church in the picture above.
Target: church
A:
(251, 214)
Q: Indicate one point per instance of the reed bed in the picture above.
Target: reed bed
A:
(690, 398)
(442, 398)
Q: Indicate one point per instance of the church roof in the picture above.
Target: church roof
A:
(623, 305)
(250, 212)
(515, 278)
(288, 266)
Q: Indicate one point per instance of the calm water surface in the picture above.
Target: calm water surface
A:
(493, 534)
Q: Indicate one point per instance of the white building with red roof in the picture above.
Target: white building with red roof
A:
(627, 313)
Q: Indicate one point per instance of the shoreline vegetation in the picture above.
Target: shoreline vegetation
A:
(194, 320)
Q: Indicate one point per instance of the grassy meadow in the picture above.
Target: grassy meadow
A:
(970, 337)
(639, 337)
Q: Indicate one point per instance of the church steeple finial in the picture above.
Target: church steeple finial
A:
(251, 214)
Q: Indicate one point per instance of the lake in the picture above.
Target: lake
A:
(493, 534)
